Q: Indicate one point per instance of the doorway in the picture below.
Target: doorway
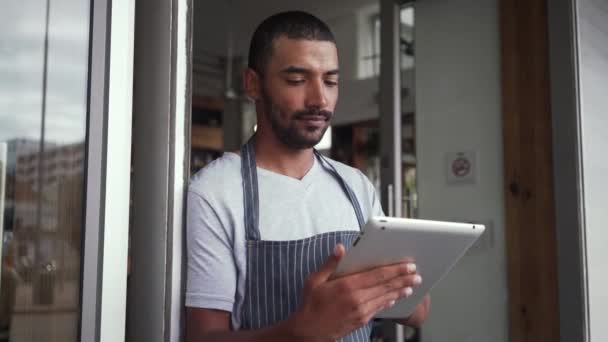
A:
(223, 118)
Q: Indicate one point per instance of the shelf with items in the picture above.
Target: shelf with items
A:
(207, 136)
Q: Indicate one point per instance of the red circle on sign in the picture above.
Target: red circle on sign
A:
(461, 167)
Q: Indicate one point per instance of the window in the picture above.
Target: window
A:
(41, 218)
(369, 64)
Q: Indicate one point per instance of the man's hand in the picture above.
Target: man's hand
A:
(420, 313)
(333, 308)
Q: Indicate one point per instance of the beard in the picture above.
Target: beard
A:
(290, 133)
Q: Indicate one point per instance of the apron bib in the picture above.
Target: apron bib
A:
(276, 270)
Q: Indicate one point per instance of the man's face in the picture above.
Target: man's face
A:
(299, 90)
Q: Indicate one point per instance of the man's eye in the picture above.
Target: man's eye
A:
(295, 82)
(331, 83)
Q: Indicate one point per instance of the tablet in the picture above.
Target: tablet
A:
(434, 247)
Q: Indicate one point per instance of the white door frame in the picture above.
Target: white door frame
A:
(105, 243)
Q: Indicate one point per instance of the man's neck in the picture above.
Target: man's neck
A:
(272, 155)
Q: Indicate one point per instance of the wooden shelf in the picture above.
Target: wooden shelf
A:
(207, 137)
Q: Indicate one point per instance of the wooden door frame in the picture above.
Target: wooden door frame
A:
(545, 263)
(528, 172)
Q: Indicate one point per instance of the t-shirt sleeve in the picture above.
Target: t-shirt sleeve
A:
(372, 195)
(376, 204)
(211, 270)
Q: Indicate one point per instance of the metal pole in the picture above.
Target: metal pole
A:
(390, 122)
(390, 104)
(42, 135)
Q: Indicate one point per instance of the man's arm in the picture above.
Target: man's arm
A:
(214, 325)
(211, 265)
(331, 309)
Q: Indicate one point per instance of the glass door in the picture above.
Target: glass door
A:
(65, 117)
(43, 116)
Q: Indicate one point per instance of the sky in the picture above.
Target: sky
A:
(21, 68)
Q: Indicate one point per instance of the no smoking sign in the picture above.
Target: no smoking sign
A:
(460, 167)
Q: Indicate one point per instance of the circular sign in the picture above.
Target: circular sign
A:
(461, 167)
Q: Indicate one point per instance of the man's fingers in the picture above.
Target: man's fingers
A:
(405, 284)
(372, 307)
(328, 268)
(381, 275)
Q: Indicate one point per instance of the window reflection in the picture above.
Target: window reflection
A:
(42, 156)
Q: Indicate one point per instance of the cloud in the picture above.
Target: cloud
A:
(21, 65)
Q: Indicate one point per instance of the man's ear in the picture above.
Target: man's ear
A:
(252, 84)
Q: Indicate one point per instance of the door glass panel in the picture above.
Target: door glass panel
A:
(43, 112)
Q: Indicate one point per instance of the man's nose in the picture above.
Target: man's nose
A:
(316, 96)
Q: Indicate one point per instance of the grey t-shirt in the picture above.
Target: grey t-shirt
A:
(290, 209)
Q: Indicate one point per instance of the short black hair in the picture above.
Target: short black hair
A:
(293, 25)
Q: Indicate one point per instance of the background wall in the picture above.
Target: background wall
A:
(458, 109)
(359, 98)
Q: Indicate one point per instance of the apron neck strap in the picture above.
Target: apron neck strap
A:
(251, 194)
(347, 189)
(251, 199)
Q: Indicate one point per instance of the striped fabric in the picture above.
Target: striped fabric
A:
(276, 270)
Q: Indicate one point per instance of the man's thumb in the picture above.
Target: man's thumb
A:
(330, 265)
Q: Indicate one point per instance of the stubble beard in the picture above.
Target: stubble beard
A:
(290, 135)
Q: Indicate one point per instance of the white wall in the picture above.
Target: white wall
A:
(593, 73)
(458, 108)
(344, 29)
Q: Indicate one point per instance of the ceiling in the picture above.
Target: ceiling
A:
(212, 19)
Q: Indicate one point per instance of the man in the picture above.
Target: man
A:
(267, 226)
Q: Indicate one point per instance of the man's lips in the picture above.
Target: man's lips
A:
(312, 118)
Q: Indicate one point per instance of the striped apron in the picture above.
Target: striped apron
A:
(276, 270)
